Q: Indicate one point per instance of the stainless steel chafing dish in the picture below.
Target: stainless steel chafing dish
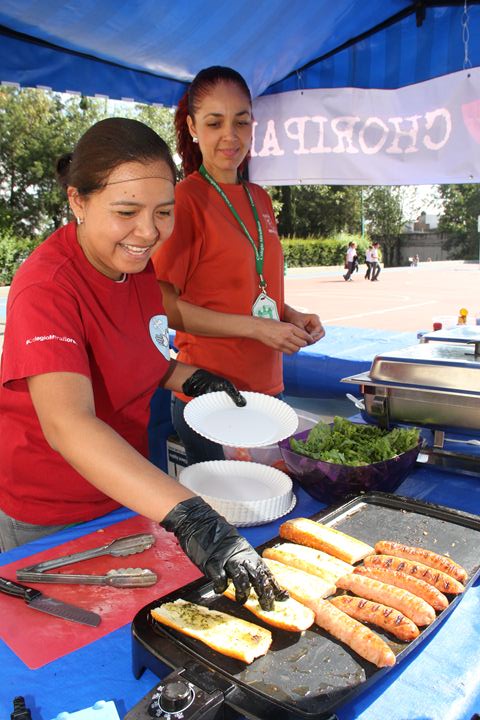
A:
(434, 384)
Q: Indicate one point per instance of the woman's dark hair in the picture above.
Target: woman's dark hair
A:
(106, 145)
(201, 85)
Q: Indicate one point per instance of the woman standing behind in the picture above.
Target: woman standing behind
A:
(221, 272)
(86, 346)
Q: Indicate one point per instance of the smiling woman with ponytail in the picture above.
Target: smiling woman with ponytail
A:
(221, 270)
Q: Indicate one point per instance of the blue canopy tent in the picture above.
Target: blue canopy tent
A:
(148, 50)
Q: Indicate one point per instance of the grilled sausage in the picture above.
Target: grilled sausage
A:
(427, 557)
(416, 609)
(438, 579)
(364, 641)
(385, 617)
(422, 589)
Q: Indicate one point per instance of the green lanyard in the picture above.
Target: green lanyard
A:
(259, 252)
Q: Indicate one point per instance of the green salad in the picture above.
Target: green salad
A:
(348, 443)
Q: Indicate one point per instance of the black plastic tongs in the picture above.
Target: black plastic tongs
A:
(121, 577)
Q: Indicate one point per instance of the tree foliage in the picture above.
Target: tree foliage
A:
(461, 209)
(317, 210)
(13, 251)
(384, 218)
(35, 129)
(159, 119)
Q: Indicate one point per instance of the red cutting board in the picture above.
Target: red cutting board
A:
(37, 638)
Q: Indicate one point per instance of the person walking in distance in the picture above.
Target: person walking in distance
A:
(375, 262)
(350, 260)
(368, 262)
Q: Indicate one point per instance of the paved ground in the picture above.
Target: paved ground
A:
(405, 299)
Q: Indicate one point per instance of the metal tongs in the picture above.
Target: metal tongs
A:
(121, 577)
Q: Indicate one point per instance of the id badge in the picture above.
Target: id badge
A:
(265, 307)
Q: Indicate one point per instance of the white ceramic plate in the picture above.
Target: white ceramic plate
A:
(264, 420)
(245, 493)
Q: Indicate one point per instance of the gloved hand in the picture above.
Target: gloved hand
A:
(203, 381)
(221, 553)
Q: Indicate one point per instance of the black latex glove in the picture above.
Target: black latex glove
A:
(221, 553)
(202, 382)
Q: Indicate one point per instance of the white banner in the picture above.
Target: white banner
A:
(421, 134)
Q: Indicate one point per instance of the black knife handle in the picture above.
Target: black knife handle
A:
(17, 590)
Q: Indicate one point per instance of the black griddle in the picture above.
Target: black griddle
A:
(307, 675)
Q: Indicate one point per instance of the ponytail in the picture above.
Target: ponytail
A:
(186, 148)
(62, 169)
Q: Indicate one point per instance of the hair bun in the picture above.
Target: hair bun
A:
(62, 168)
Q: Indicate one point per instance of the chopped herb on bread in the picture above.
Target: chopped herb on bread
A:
(222, 632)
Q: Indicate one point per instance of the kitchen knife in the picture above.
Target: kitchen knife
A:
(37, 600)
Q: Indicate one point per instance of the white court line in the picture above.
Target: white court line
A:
(373, 312)
(380, 312)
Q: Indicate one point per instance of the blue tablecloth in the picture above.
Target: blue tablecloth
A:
(440, 683)
(317, 370)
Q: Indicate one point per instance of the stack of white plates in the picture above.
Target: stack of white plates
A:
(245, 493)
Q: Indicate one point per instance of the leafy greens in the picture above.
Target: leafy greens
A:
(348, 443)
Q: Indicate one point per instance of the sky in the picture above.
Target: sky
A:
(418, 198)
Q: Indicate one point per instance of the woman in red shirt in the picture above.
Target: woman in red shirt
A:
(85, 348)
(221, 271)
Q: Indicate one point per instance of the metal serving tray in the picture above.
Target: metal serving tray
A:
(308, 675)
(469, 334)
(440, 366)
(390, 402)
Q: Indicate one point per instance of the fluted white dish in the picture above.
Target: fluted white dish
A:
(264, 420)
(245, 493)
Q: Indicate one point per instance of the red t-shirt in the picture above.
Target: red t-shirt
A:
(65, 316)
(210, 260)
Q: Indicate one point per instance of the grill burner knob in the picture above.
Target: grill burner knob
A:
(174, 697)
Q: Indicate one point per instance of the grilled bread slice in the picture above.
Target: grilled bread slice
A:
(288, 615)
(222, 632)
(301, 585)
(322, 537)
(309, 559)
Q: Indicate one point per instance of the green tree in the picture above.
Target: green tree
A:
(384, 217)
(461, 208)
(13, 251)
(159, 119)
(318, 210)
(36, 127)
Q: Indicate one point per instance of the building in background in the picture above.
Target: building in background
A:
(421, 237)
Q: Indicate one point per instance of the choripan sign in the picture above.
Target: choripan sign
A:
(429, 132)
